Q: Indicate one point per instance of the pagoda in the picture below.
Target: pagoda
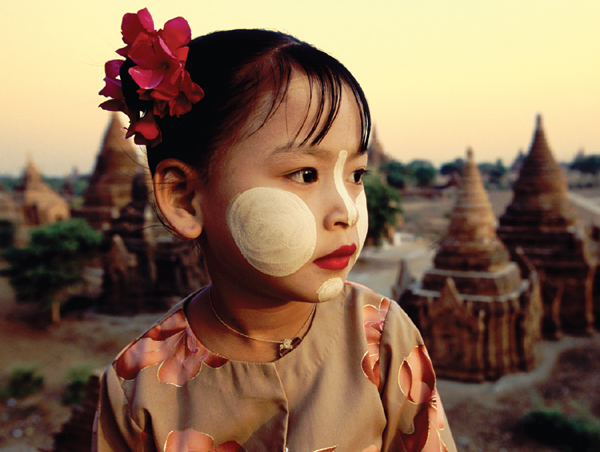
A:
(110, 185)
(479, 318)
(541, 222)
(38, 203)
(375, 151)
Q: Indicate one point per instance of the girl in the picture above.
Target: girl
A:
(257, 145)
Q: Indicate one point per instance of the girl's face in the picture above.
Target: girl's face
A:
(286, 220)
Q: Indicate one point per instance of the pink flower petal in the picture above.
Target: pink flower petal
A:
(145, 130)
(112, 89)
(112, 68)
(141, 354)
(143, 54)
(146, 78)
(176, 33)
(134, 24)
(114, 105)
(188, 440)
(180, 365)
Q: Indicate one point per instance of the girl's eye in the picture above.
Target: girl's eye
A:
(356, 176)
(304, 176)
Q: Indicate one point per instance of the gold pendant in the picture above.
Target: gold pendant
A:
(288, 345)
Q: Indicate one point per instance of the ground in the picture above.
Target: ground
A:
(483, 417)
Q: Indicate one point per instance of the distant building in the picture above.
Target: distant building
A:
(377, 155)
(36, 201)
(479, 318)
(110, 185)
(541, 222)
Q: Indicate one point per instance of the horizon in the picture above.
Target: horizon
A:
(439, 79)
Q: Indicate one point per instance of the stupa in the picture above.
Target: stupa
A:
(110, 185)
(541, 221)
(479, 318)
(377, 155)
(38, 203)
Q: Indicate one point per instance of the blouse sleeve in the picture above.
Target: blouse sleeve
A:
(415, 416)
(114, 428)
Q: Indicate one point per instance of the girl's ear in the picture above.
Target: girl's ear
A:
(178, 197)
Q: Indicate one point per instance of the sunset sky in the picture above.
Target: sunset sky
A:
(440, 75)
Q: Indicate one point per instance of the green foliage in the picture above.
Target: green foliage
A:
(419, 172)
(77, 379)
(454, 167)
(557, 430)
(7, 233)
(397, 174)
(425, 175)
(23, 381)
(494, 171)
(588, 165)
(384, 205)
(53, 260)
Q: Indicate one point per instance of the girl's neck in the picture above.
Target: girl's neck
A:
(248, 329)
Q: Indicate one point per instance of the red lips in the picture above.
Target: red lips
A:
(338, 260)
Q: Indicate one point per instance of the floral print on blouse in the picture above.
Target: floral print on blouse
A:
(360, 381)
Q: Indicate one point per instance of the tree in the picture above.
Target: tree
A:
(53, 261)
(589, 164)
(384, 204)
(455, 167)
(495, 171)
(397, 174)
(424, 172)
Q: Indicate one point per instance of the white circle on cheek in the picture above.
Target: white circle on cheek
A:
(274, 230)
(330, 289)
(363, 219)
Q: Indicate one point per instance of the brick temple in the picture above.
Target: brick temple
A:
(110, 185)
(541, 222)
(479, 318)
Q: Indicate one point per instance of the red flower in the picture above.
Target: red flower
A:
(417, 382)
(191, 440)
(159, 71)
(172, 344)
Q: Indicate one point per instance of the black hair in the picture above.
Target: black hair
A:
(235, 69)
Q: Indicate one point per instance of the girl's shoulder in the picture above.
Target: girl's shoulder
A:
(377, 308)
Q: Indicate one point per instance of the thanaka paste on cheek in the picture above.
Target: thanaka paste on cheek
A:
(362, 225)
(274, 230)
(330, 289)
(338, 177)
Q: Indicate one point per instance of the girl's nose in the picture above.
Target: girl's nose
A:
(342, 209)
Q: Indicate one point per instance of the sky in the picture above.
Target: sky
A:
(440, 76)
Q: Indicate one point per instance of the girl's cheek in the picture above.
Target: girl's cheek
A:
(274, 230)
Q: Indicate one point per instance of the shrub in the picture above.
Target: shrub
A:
(53, 261)
(23, 381)
(7, 233)
(77, 378)
(556, 429)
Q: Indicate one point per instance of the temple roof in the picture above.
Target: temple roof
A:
(116, 166)
(471, 243)
(377, 155)
(32, 178)
(540, 192)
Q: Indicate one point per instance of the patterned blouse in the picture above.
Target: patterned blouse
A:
(360, 377)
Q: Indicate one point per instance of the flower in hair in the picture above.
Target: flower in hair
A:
(156, 63)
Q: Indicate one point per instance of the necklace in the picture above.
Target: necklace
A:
(285, 346)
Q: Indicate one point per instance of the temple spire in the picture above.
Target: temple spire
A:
(541, 192)
(471, 242)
